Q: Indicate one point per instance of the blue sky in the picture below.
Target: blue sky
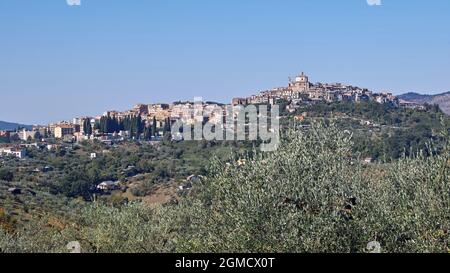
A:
(58, 61)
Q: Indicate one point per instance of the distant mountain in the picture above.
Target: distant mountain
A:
(443, 100)
(12, 126)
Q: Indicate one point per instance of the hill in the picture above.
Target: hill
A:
(443, 100)
(12, 126)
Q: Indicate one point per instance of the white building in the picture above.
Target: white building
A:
(108, 185)
(17, 152)
(24, 134)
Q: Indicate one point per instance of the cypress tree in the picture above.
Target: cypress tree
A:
(147, 133)
(139, 126)
(87, 127)
(154, 126)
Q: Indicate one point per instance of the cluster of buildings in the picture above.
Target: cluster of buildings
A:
(23, 134)
(152, 115)
(162, 113)
(300, 89)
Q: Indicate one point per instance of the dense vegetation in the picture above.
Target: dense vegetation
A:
(70, 170)
(382, 131)
(310, 195)
(134, 125)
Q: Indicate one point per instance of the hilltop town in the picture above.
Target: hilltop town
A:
(151, 122)
(301, 90)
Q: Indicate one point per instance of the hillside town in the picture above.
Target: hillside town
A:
(151, 122)
(301, 90)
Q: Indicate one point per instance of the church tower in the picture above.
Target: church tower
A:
(301, 83)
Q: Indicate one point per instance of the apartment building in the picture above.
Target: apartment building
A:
(62, 130)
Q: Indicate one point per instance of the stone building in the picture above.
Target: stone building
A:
(300, 84)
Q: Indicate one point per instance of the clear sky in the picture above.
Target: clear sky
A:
(59, 61)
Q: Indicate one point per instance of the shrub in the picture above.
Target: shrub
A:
(99, 229)
(6, 174)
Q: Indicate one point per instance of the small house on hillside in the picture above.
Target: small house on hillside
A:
(108, 185)
(13, 151)
(368, 160)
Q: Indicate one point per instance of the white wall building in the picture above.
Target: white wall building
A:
(17, 152)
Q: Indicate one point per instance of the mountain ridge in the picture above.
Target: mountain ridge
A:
(4, 125)
(443, 99)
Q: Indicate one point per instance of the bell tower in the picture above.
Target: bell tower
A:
(302, 82)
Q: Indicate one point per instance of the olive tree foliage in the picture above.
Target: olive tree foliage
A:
(132, 228)
(35, 237)
(310, 195)
(291, 200)
(100, 229)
